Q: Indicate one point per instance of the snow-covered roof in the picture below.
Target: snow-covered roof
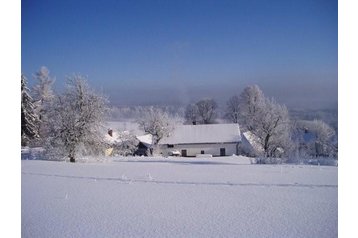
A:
(210, 133)
(146, 139)
(112, 139)
(117, 137)
(253, 141)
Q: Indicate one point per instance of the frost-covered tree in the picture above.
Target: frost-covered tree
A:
(273, 128)
(43, 89)
(232, 109)
(323, 131)
(191, 114)
(43, 98)
(267, 120)
(77, 119)
(207, 111)
(157, 123)
(252, 102)
(29, 119)
(317, 138)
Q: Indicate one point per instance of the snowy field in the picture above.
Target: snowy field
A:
(177, 197)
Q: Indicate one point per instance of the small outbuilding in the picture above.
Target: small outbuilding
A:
(144, 147)
(211, 139)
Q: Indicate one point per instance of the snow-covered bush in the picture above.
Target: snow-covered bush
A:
(270, 160)
(36, 153)
(127, 144)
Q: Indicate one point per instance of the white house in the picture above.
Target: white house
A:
(213, 139)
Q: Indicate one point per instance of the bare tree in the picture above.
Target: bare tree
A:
(77, 119)
(233, 109)
(191, 114)
(43, 98)
(157, 123)
(252, 102)
(267, 120)
(207, 110)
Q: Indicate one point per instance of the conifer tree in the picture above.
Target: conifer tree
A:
(29, 119)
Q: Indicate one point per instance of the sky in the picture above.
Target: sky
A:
(176, 52)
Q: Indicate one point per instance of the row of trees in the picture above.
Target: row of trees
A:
(71, 122)
(35, 104)
(65, 124)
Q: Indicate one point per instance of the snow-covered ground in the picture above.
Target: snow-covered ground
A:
(178, 197)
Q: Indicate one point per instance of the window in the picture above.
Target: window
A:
(222, 152)
(170, 146)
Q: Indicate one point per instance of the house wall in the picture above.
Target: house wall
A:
(194, 149)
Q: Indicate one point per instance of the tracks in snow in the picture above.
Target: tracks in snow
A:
(153, 181)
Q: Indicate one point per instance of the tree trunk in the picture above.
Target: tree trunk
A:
(266, 145)
(72, 159)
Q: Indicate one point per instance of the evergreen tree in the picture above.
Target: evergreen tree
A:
(29, 119)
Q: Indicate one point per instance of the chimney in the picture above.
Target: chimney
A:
(110, 132)
(306, 130)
